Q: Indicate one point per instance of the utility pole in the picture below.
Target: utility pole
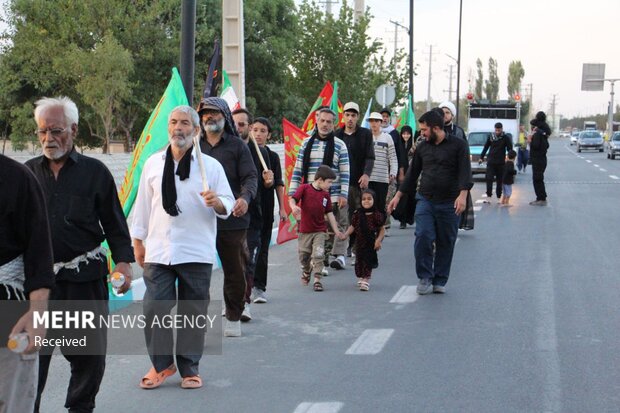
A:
(328, 5)
(358, 11)
(396, 26)
(411, 51)
(450, 88)
(188, 41)
(530, 98)
(430, 75)
(553, 106)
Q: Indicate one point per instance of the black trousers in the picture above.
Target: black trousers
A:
(233, 251)
(262, 258)
(538, 178)
(189, 282)
(381, 190)
(86, 370)
(495, 171)
(254, 244)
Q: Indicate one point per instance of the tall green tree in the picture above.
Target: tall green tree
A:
(479, 79)
(491, 85)
(515, 76)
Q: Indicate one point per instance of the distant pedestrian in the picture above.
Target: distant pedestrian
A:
(441, 198)
(498, 144)
(523, 153)
(367, 224)
(509, 177)
(539, 143)
(310, 203)
(449, 112)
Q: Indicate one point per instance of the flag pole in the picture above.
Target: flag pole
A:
(260, 155)
(201, 165)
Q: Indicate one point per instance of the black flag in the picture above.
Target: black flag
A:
(210, 83)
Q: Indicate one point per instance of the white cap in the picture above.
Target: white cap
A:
(375, 116)
(351, 106)
(449, 105)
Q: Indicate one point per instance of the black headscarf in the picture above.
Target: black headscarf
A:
(229, 125)
(168, 188)
(369, 253)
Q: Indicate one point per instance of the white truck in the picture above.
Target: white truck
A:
(482, 120)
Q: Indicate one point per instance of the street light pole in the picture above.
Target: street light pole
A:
(411, 50)
(188, 46)
(458, 64)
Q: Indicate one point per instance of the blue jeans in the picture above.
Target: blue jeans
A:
(435, 223)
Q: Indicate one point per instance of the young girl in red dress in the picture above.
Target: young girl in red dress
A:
(367, 223)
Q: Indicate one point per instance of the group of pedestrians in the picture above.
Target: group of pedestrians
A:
(217, 198)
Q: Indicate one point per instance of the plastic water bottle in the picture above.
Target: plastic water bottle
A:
(18, 343)
(118, 280)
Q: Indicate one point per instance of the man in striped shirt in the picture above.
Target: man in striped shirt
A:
(323, 148)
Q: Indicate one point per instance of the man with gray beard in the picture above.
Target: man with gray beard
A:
(83, 211)
(221, 141)
(176, 220)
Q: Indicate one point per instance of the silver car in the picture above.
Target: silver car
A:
(590, 140)
(613, 146)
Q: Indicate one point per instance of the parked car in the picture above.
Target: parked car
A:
(573, 137)
(590, 140)
(476, 144)
(613, 146)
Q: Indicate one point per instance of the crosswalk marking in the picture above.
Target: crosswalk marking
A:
(595, 165)
(370, 342)
(406, 294)
(588, 161)
(477, 208)
(321, 407)
(613, 177)
(603, 170)
(479, 201)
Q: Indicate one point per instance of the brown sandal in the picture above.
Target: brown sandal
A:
(191, 382)
(153, 379)
(318, 286)
(305, 278)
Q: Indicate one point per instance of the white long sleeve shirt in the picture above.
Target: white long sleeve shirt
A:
(386, 162)
(190, 236)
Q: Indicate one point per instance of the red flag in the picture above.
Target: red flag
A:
(325, 98)
(293, 138)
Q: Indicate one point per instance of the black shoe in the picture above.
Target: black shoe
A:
(403, 225)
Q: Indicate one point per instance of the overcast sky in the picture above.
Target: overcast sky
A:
(552, 39)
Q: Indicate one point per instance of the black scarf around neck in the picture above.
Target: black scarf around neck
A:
(328, 155)
(168, 188)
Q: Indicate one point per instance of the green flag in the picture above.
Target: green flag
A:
(154, 137)
(406, 117)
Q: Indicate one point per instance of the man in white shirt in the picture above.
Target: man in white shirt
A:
(174, 229)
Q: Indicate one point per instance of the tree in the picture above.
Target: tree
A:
(515, 76)
(479, 80)
(491, 86)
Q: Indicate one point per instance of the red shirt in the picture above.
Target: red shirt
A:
(314, 204)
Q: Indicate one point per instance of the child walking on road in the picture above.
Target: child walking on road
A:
(314, 203)
(367, 224)
(509, 178)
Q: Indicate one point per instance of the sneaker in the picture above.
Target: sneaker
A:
(349, 252)
(260, 296)
(425, 286)
(339, 263)
(233, 329)
(324, 272)
(224, 311)
(403, 225)
(246, 315)
(352, 260)
(439, 289)
(539, 203)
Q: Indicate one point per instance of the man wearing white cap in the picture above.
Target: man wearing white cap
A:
(361, 158)
(449, 112)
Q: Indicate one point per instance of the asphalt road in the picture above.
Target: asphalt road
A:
(529, 322)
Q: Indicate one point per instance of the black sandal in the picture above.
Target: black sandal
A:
(305, 278)
(318, 286)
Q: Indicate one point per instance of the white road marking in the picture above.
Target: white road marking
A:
(603, 170)
(595, 165)
(406, 294)
(370, 342)
(613, 177)
(322, 407)
(477, 208)
(480, 201)
(588, 161)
